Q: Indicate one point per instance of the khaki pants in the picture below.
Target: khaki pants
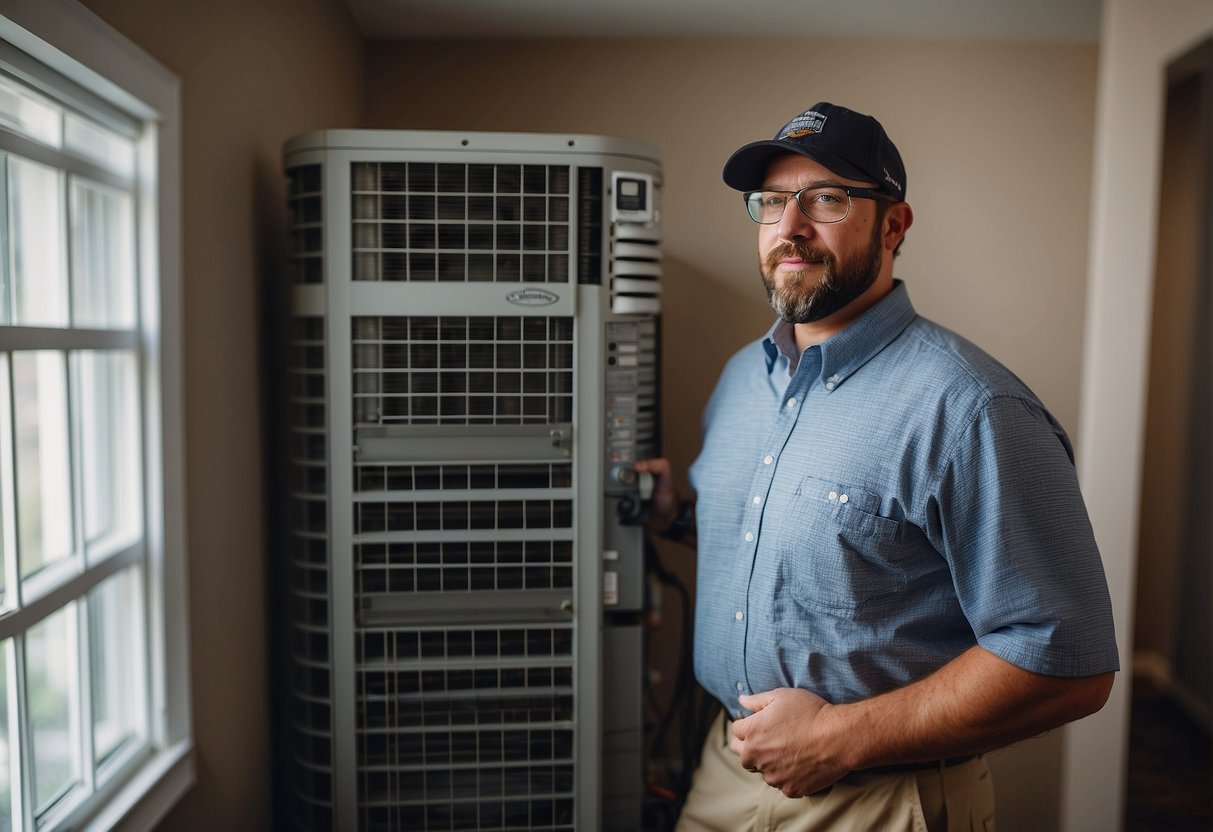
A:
(726, 798)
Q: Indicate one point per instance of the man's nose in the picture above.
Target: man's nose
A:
(794, 224)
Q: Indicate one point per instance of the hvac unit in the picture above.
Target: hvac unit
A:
(473, 367)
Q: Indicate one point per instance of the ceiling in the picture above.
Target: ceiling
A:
(1031, 20)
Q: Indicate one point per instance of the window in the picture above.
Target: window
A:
(94, 710)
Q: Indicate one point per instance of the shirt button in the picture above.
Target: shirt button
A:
(739, 615)
(829, 385)
(842, 498)
(832, 496)
(791, 403)
(757, 501)
(768, 459)
(741, 686)
(749, 536)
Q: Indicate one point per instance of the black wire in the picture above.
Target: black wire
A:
(688, 701)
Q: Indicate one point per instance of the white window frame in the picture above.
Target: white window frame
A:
(69, 39)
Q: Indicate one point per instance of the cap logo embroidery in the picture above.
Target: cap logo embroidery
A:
(806, 124)
(888, 177)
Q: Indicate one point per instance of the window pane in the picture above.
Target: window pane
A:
(35, 207)
(7, 749)
(44, 516)
(103, 280)
(109, 449)
(51, 688)
(29, 114)
(115, 613)
(98, 144)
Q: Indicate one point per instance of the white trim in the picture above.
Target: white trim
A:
(77, 44)
(143, 802)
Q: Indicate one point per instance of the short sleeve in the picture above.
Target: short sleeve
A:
(1009, 519)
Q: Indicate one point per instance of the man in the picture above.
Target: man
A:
(896, 570)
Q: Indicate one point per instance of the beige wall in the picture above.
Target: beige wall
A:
(253, 74)
(997, 143)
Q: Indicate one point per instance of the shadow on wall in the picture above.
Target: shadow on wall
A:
(273, 293)
(704, 321)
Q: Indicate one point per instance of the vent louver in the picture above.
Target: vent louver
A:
(589, 226)
(635, 268)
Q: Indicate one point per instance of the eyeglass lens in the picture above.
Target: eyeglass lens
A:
(818, 204)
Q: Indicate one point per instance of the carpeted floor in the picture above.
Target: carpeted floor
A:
(1170, 780)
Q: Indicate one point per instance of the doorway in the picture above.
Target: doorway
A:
(1172, 710)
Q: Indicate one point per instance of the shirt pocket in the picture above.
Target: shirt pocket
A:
(836, 554)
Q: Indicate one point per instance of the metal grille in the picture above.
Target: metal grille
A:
(464, 567)
(589, 225)
(422, 221)
(448, 477)
(458, 662)
(457, 515)
(501, 498)
(310, 665)
(463, 370)
(468, 728)
(306, 225)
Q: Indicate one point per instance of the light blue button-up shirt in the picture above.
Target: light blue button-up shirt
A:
(871, 510)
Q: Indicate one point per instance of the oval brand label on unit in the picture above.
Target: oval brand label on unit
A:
(532, 297)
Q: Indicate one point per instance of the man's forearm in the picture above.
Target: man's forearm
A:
(975, 703)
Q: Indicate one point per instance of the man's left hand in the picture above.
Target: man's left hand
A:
(782, 738)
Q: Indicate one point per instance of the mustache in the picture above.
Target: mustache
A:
(796, 251)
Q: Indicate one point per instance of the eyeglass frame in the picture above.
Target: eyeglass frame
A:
(849, 190)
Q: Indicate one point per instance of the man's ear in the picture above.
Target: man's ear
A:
(897, 221)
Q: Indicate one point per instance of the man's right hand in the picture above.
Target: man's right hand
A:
(666, 499)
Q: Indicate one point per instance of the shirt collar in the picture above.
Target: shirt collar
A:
(848, 350)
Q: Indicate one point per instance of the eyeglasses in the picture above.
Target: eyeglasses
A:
(820, 203)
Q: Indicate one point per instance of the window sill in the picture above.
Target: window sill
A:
(151, 793)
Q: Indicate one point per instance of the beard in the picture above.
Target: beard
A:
(798, 301)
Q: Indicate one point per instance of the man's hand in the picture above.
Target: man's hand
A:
(664, 506)
(974, 703)
(782, 739)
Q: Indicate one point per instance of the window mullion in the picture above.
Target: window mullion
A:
(83, 710)
(6, 272)
(65, 210)
(53, 338)
(84, 703)
(49, 156)
(8, 490)
(23, 790)
(31, 612)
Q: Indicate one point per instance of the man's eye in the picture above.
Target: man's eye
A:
(826, 198)
(774, 200)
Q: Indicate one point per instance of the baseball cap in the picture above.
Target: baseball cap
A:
(851, 144)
